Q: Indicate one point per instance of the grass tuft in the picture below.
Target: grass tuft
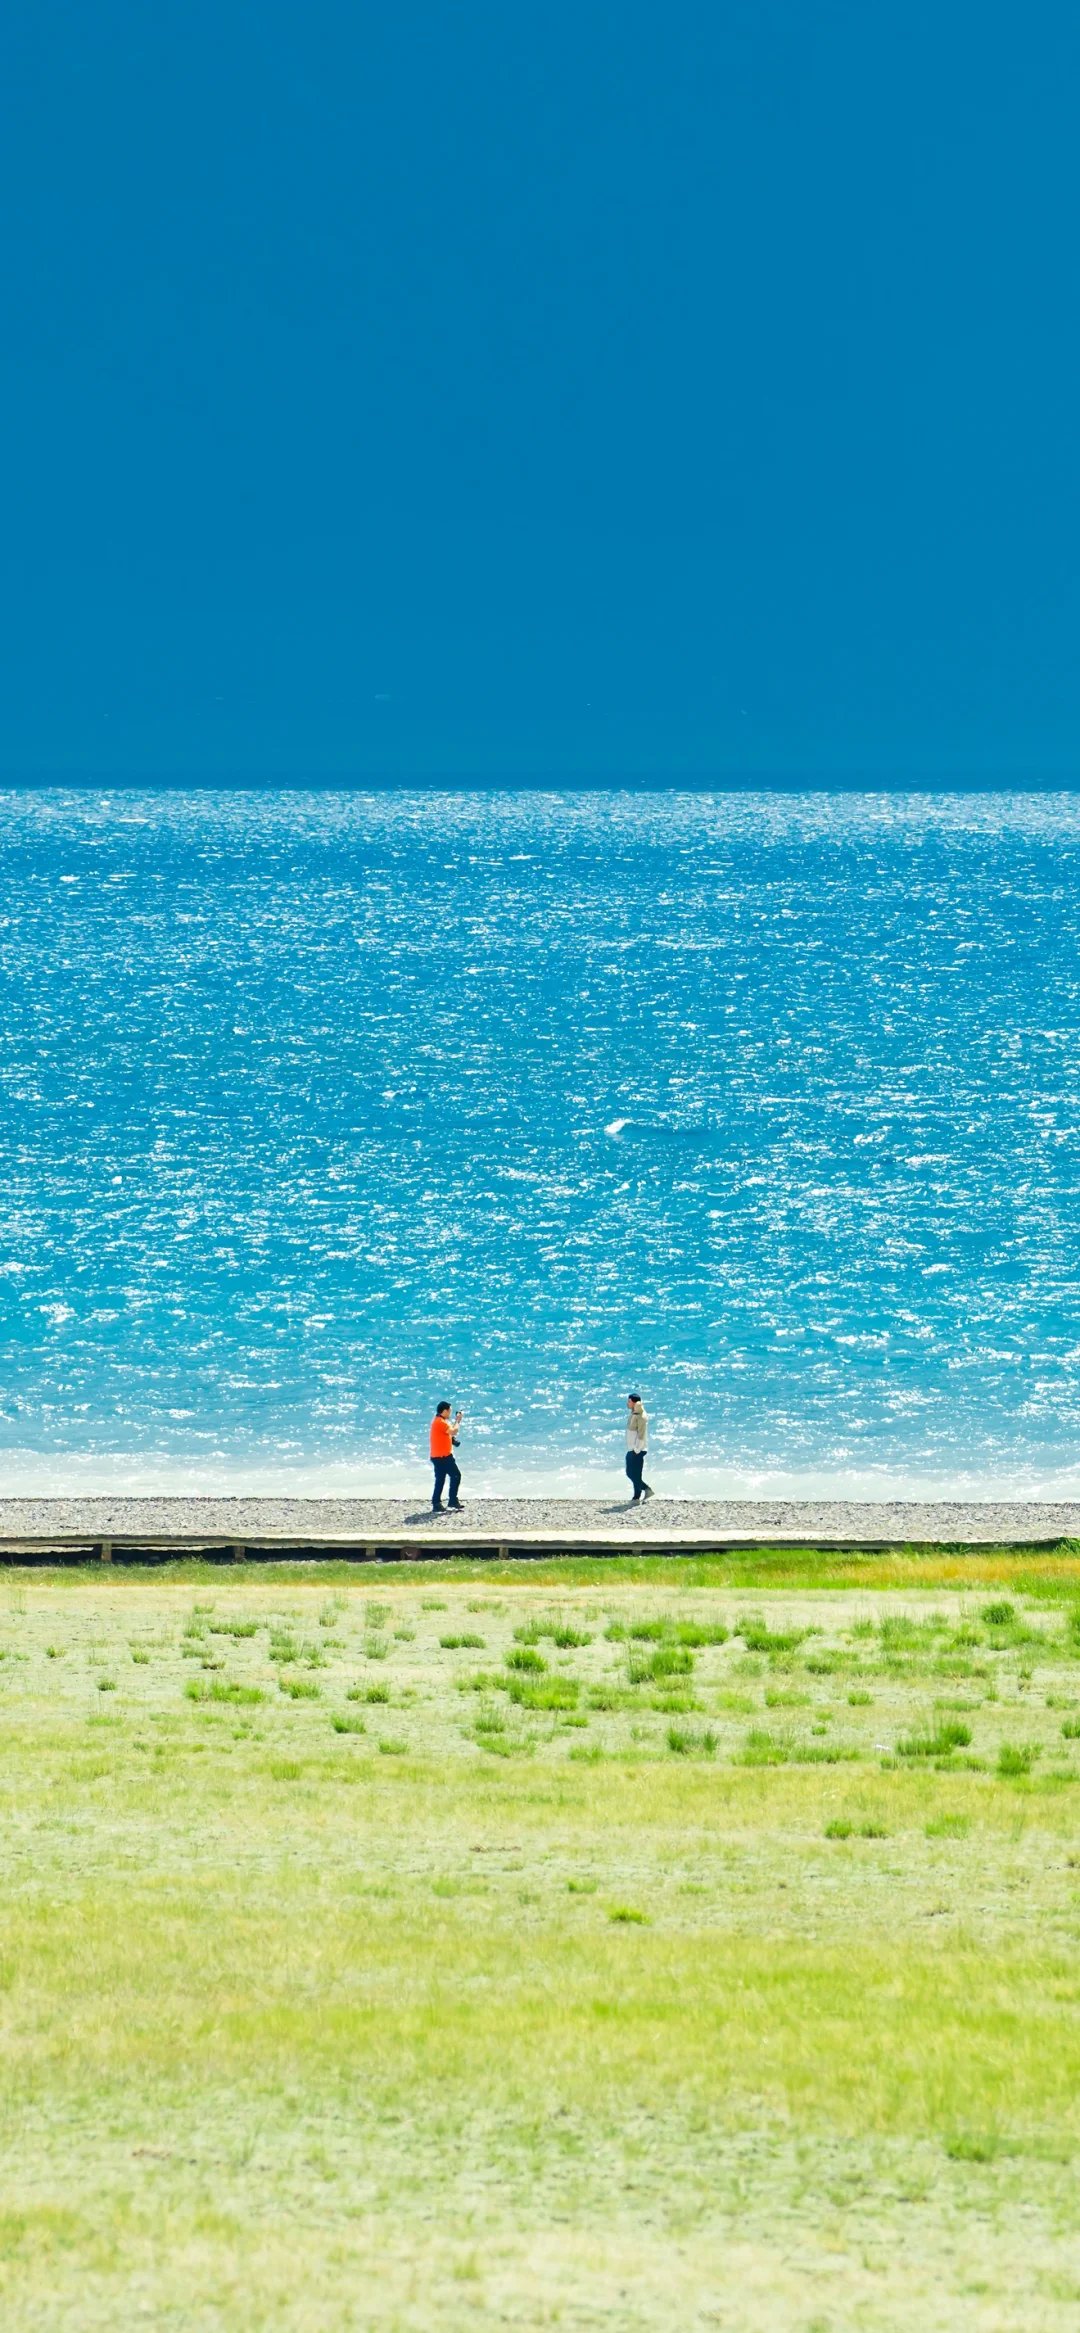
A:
(694, 1633)
(760, 1639)
(953, 1734)
(553, 1693)
(686, 1744)
(763, 1749)
(560, 1632)
(668, 1660)
(243, 1696)
(490, 1718)
(976, 2147)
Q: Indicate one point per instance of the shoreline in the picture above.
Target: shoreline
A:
(374, 1526)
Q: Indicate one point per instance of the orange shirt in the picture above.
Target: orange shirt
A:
(442, 1440)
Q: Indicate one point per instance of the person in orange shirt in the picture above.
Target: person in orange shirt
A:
(444, 1434)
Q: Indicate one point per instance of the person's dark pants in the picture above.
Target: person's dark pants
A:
(635, 1467)
(447, 1470)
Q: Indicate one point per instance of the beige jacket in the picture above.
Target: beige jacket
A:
(637, 1430)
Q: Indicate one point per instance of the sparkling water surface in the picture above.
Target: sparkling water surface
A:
(317, 1106)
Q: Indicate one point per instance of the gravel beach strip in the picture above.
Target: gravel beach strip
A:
(367, 1522)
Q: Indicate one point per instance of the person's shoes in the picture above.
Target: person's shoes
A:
(636, 1500)
(438, 1510)
(456, 1507)
(646, 1492)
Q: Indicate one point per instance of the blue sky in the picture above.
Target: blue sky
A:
(541, 392)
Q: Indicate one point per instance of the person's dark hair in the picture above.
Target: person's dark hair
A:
(630, 1397)
(440, 1406)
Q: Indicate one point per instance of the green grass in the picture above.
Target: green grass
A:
(546, 1693)
(196, 1690)
(684, 1742)
(729, 2016)
(935, 1743)
(562, 1633)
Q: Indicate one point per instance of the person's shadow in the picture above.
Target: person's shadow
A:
(428, 1515)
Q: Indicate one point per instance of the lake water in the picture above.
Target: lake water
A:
(317, 1106)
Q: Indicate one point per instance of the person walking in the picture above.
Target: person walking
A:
(442, 1442)
(637, 1444)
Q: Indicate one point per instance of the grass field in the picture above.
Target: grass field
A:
(626, 1944)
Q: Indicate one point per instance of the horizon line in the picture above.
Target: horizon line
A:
(728, 782)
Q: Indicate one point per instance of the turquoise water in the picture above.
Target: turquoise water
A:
(317, 1106)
